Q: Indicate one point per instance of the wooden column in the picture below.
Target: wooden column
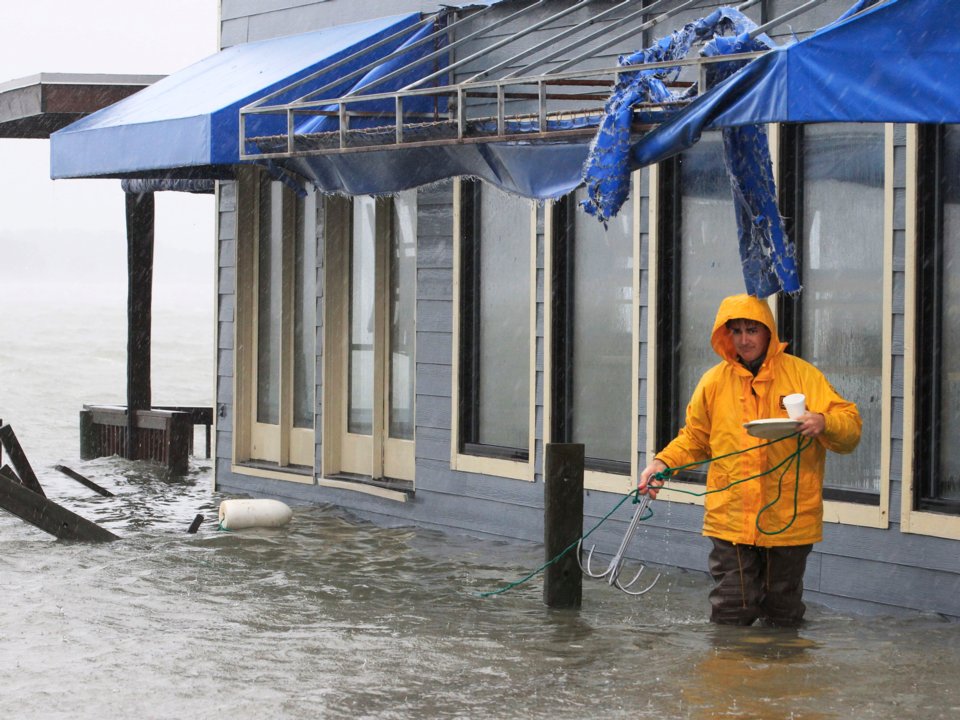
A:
(562, 522)
(140, 215)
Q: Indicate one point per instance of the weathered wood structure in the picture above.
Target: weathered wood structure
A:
(35, 107)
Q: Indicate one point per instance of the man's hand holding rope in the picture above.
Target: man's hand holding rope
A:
(650, 480)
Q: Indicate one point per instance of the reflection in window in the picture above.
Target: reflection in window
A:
(304, 310)
(937, 391)
(699, 265)
(494, 322)
(948, 486)
(269, 300)
(710, 267)
(592, 335)
(361, 360)
(841, 328)
(403, 286)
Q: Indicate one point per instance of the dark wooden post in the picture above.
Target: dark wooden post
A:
(562, 522)
(140, 215)
(19, 460)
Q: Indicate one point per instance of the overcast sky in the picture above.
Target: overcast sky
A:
(55, 232)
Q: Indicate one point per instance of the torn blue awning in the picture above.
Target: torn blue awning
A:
(187, 124)
(891, 63)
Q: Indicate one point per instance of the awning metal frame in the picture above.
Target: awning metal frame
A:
(534, 94)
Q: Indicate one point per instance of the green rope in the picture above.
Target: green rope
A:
(663, 475)
(801, 446)
(567, 549)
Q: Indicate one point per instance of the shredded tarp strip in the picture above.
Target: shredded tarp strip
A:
(766, 254)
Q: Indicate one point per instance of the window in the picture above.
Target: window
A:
(370, 331)
(936, 474)
(277, 264)
(834, 188)
(494, 326)
(698, 264)
(592, 334)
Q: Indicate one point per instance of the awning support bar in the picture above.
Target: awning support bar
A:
(560, 36)
(499, 44)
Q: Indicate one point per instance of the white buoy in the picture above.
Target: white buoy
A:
(263, 513)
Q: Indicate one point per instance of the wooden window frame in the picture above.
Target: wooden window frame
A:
(248, 185)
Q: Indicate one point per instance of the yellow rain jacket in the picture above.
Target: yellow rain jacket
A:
(728, 396)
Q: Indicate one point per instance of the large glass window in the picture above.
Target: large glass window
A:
(494, 413)
(361, 307)
(837, 321)
(937, 391)
(371, 289)
(277, 268)
(699, 265)
(592, 334)
(402, 320)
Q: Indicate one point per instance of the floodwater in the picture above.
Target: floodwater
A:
(334, 617)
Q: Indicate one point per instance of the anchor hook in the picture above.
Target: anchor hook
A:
(612, 573)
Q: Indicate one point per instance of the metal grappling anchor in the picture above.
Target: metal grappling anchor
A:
(612, 573)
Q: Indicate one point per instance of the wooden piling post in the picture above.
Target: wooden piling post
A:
(195, 525)
(140, 215)
(19, 460)
(562, 522)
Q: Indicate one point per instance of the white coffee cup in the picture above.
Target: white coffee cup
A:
(796, 405)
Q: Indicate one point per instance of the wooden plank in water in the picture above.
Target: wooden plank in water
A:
(74, 475)
(47, 515)
(19, 460)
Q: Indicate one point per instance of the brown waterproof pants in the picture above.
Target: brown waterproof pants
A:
(756, 582)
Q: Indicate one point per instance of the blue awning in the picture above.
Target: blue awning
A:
(892, 63)
(187, 124)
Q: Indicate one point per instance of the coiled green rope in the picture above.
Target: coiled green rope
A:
(663, 475)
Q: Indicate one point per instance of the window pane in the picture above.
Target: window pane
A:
(269, 289)
(602, 304)
(949, 470)
(304, 310)
(403, 297)
(843, 168)
(362, 259)
(709, 259)
(504, 352)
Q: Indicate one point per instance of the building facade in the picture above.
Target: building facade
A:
(407, 357)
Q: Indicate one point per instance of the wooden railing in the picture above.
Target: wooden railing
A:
(163, 434)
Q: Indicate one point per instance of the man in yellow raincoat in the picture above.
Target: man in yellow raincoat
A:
(759, 549)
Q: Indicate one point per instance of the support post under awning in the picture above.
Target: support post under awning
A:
(140, 219)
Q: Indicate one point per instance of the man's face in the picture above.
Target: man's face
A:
(750, 338)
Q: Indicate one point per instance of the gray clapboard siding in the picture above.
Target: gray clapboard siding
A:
(434, 347)
(889, 584)
(434, 380)
(433, 412)
(433, 444)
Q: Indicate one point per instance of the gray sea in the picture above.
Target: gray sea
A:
(335, 617)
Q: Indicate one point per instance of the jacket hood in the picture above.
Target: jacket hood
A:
(750, 308)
